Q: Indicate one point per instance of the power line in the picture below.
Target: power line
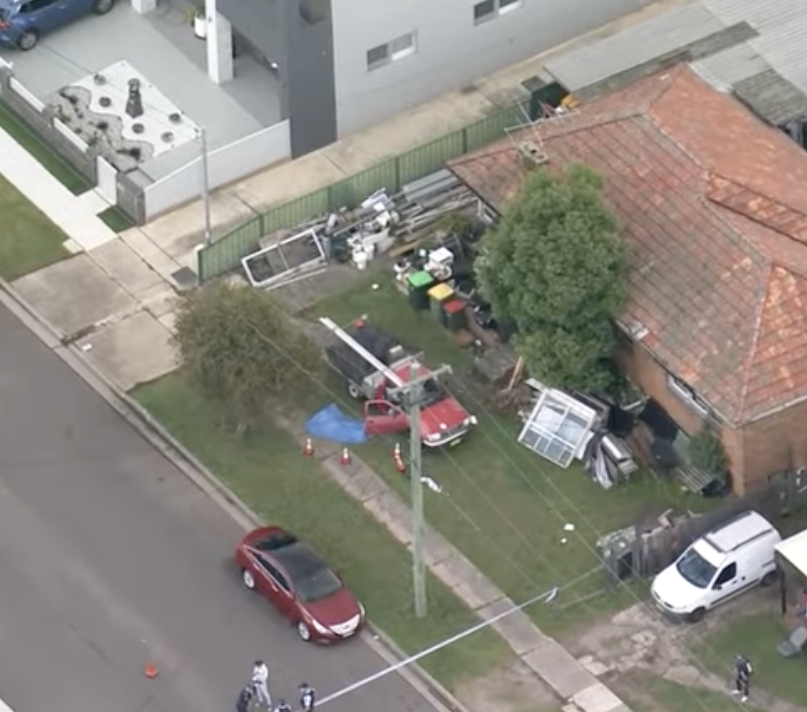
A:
(500, 551)
(531, 484)
(546, 596)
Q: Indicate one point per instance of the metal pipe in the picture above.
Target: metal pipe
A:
(205, 185)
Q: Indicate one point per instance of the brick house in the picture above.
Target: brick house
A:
(713, 207)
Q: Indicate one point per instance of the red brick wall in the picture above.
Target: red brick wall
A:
(755, 452)
(651, 378)
(772, 445)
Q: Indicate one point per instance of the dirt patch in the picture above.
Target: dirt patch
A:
(640, 641)
(514, 688)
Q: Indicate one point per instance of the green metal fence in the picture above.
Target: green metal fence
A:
(392, 174)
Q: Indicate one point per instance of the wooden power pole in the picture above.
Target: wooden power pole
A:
(412, 395)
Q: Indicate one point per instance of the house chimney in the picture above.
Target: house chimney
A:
(531, 154)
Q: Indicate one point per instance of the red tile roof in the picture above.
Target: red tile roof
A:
(713, 206)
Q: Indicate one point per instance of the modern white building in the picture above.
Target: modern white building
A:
(347, 64)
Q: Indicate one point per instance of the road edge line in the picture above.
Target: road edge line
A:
(200, 476)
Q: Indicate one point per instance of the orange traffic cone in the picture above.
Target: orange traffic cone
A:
(151, 671)
(396, 452)
(308, 450)
(345, 459)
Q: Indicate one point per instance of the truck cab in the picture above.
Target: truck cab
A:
(374, 364)
(443, 420)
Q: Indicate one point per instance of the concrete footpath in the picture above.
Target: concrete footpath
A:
(113, 305)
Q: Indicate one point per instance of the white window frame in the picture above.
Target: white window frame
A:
(685, 394)
(499, 9)
(394, 55)
(546, 437)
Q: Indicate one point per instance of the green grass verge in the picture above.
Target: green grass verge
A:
(506, 507)
(757, 637)
(28, 239)
(116, 219)
(645, 692)
(266, 469)
(50, 160)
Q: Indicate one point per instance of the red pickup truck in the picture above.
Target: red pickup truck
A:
(443, 419)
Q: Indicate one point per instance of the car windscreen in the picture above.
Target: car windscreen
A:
(312, 578)
(432, 392)
(317, 585)
(695, 569)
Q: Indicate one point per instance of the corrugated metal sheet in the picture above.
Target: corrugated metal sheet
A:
(635, 46)
(785, 49)
(760, 14)
(780, 47)
(724, 69)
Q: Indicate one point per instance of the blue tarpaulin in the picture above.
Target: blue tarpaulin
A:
(332, 424)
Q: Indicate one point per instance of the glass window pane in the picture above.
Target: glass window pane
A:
(484, 10)
(402, 44)
(376, 56)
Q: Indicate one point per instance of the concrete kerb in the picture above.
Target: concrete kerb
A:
(201, 477)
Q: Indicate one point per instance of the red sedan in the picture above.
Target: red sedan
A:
(299, 584)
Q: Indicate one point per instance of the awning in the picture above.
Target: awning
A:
(794, 551)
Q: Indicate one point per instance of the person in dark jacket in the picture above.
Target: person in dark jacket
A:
(244, 699)
(283, 706)
(742, 677)
(308, 697)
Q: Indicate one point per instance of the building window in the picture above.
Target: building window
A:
(488, 9)
(398, 49)
(687, 395)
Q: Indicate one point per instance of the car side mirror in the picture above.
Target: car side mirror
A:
(718, 586)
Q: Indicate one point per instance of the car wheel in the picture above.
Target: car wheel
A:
(354, 391)
(102, 7)
(303, 631)
(696, 615)
(769, 579)
(27, 40)
(248, 579)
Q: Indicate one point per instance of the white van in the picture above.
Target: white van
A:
(717, 567)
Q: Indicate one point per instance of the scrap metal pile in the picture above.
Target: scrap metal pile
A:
(359, 235)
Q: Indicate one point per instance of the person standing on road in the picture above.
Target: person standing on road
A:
(244, 699)
(308, 697)
(260, 681)
(742, 677)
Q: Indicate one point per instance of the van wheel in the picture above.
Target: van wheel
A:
(354, 391)
(696, 615)
(769, 579)
(102, 7)
(27, 40)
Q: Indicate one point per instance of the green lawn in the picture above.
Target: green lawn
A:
(506, 507)
(50, 160)
(268, 471)
(757, 637)
(28, 239)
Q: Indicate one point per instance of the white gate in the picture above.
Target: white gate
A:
(107, 180)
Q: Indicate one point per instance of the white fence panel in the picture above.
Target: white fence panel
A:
(69, 135)
(107, 180)
(225, 165)
(26, 95)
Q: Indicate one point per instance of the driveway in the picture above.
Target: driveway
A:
(111, 558)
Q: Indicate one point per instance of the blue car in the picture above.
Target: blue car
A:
(23, 21)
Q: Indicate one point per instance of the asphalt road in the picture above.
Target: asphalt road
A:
(109, 557)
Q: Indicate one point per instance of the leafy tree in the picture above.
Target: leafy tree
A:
(241, 348)
(556, 268)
